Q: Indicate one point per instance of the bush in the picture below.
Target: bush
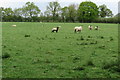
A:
(107, 20)
(114, 65)
(90, 63)
(27, 35)
(5, 55)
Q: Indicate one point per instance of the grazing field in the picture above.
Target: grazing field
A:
(30, 50)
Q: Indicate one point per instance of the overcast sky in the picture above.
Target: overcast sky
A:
(111, 4)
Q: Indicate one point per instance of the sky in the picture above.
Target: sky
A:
(111, 4)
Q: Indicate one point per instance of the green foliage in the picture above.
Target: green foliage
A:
(87, 11)
(53, 9)
(104, 11)
(107, 20)
(17, 12)
(8, 12)
(64, 14)
(72, 12)
(31, 9)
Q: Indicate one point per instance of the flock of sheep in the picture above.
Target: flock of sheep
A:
(76, 29)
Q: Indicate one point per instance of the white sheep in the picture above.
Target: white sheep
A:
(56, 29)
(78, 29)
(90, 27)
(96, 27)
(13, 25)
(40, 22)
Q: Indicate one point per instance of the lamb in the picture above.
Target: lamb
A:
(96, 28)
(78, 29)
(13, 25)
(55, 29)
(90, 27)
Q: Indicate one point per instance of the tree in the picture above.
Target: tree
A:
(104, 11)
(48, 17)
(17, 15)
(25, 12)
(117, 17)
(87, 11)
(53, 8)
(7, 14)
(30, 10)
(69, 13)
(72, 12)
(1, 13)
(8, 11)
(64, 13)
(17, 12)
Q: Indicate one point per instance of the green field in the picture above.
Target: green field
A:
(89, 54)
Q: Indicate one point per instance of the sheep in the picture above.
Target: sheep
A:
(56, 29)
(90, 27)
(78, 29)
(40, 22)
(13, 25)
(96, 28)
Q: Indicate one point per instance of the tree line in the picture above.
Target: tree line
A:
(84, 12)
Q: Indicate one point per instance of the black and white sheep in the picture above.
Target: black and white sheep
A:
(96, 27)
(78, 29)
(55, 29)
(90, 27)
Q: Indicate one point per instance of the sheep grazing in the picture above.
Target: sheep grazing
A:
(55, 29)
(90, 27)
(78, 29)
(96, 28)
(13, 25)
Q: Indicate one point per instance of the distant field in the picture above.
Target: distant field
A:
(89, 54)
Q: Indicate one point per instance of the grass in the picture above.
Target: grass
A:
(35, 52)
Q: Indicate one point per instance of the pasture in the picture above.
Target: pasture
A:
(30, 50)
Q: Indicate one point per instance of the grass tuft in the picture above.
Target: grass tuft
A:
(107, 65)
(80, 68)
(5, 55)
(81, 38)
(90, 63)
(111, 39)
(27, 35)
(102, 37)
